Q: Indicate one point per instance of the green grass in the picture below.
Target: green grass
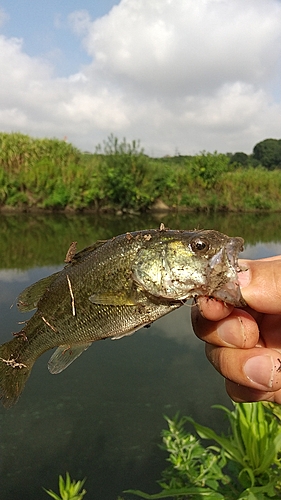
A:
(244, 464)
(54, 175)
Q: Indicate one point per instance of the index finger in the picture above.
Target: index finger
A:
(238, 329)
(213, 309)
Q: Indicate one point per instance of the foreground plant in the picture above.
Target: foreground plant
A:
(246, 464)
(69, 490)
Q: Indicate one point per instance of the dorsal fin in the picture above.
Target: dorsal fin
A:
(86, 251)
(30, 296)
(64, 355)
(71, 252)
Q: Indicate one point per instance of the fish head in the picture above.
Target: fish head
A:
(178, 265)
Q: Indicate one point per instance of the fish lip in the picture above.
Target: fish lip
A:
(226, 261)
(233, 247)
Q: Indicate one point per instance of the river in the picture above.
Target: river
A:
(102, 417)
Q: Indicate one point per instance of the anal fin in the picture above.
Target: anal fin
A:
(64, 355)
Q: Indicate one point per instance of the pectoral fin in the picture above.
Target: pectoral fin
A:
(29, 298)
(64, 355)
(112, 299)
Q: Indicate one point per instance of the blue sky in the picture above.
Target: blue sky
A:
(45, 30)
(181, 76)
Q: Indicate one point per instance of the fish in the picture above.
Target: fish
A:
(112, 289)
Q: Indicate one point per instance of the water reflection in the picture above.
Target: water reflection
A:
(102, 417)
(29, 240)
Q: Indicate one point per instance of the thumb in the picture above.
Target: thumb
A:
(260, 283)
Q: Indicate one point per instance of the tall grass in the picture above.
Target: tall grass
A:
(252, 189)
(52, 174)
(46, 173)
(18, 152)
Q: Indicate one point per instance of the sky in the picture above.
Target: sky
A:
(180, 76)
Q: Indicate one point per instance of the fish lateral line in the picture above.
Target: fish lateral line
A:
(145, 274)
(112, 299)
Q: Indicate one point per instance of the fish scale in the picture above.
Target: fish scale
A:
(114, 288)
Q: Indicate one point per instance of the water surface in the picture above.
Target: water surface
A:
(102, 417)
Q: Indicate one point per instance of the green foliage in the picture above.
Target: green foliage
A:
(124, 180)
(268, 153)
(52, 174)
(112, 146)
(246, 464)
(125, 174)
(46, 173)
(240, 158)
(69, 490)
(251, 189)
(209, 167)
(18, 152)
(254, 442)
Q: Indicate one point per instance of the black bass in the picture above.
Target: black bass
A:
(112, 289)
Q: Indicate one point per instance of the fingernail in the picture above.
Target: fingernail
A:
(260, 370)
(232, 332)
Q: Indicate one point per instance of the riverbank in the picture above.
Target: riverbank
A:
(23, 209)
(51, 175)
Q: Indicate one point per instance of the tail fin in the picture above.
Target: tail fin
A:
(13, 372)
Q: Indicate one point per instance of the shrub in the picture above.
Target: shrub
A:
(245, 464)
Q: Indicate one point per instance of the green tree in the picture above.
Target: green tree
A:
(125, 174)
(240, 159)
(268, 153)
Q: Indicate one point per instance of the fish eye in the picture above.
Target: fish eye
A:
(199, 245)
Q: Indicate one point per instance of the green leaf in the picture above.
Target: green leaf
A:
(231, 449)
(69, 490)
(271, 455)
(52, 494)
(203, 492)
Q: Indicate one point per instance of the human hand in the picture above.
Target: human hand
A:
(244, 345)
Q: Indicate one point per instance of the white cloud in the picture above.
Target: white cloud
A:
(185, 46)
(172, 73)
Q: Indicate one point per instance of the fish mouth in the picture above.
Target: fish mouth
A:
(223, 272)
